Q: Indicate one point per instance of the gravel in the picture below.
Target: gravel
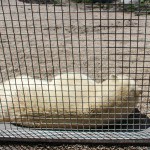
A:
(71, 147)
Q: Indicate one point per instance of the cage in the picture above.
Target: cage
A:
(74, 71)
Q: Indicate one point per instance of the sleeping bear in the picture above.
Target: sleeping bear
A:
(69, 101)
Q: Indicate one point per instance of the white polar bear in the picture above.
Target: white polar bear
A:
(11, 87)
(75, 101)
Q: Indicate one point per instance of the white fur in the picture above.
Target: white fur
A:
(72, 81)
(73, 98)
(12, 87)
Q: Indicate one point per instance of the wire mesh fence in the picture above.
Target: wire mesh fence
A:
(74, 71)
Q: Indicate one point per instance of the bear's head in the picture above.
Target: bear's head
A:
(126, 83)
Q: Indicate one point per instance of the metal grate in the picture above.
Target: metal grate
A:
(74, 71)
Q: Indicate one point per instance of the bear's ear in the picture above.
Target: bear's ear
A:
(113, 76)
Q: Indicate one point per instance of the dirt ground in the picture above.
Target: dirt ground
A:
(42, 41)
(70, 147)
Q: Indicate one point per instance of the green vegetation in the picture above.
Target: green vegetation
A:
(56, 1)
(144, 5)
(82, 1)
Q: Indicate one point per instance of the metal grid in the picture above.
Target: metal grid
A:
(48, 47)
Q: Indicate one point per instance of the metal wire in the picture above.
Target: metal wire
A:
(42, 40)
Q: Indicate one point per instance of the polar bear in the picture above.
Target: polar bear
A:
(70, 103)
(11, 87)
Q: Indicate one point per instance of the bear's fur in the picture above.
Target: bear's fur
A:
(74, 101)
(11, 88)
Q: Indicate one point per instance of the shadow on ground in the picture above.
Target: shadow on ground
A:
(136, 122)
